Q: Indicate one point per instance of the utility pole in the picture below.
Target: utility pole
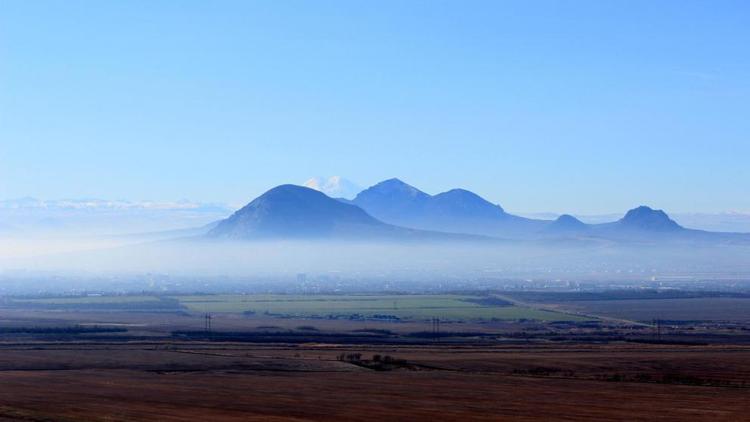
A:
(658, 328)
(207, 323)
(657, 324)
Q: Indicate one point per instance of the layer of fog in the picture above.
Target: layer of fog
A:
(42, 246)
(359, 259)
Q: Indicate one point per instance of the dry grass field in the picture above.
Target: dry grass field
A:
(202, 381)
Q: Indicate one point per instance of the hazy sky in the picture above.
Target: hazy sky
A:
(577, 106)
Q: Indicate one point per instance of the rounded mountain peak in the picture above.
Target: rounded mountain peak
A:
(567, 223)
(567, 218)
(291, 211)
(469, 201)
(458, 192)
(396, 185)
(647, 218)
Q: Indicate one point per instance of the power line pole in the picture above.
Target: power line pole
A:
(657, 324)
(658, 328)
(207, 323)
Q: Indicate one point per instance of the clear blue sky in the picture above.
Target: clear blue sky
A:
(577, 106)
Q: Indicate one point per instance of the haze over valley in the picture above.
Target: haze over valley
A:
(391, 235)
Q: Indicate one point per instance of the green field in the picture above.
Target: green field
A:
(446, 307)
(454, 307)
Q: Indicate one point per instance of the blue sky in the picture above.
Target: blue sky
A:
(576, 106)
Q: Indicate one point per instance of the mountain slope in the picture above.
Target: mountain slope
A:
(648, 219)
(642, 223)
(296, 212)
(454, 211)
(566, 225)
(645, 224)
(460, 203)
(393, 201)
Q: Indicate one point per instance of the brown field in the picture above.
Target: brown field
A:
(163, 366)
(202, 381)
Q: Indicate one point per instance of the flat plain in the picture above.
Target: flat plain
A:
(294, 357)
(447, 306)
(307, 382)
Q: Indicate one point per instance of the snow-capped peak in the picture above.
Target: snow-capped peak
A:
(334, 186)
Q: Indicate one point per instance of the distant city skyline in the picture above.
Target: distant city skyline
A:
(583, 107)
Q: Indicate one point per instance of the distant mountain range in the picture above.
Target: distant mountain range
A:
(454, 211)
(297, 212)
(395, 210)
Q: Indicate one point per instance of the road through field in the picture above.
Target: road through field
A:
(548, 308)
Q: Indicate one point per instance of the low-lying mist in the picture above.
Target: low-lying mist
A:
(354, 260)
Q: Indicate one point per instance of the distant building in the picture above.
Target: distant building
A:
(301, 278)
